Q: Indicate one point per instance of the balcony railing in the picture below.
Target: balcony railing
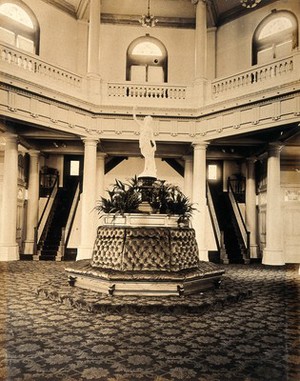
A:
(142, 91)
(250, 80)
(32, 64)
(31, 69)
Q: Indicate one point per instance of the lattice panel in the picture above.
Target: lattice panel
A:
(184, 249)
(147, 249)
(108, 248)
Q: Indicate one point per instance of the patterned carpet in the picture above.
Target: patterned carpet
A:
(254, 338)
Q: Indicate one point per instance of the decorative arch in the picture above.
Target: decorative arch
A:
(19, 26)
(276, 36)
(146, 53)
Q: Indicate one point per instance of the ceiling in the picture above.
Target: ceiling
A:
(170, 13)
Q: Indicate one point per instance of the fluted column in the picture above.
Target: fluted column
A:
(200, 39)
(188, 176)
(94, 38)
(273, 252)
(100, 178)
(199, 198)
(88, 201)
(251, 218)
(9, 249)
(33, 200)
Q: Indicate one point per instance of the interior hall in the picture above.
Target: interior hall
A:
(220, 81)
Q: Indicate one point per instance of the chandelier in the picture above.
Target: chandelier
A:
(250, 3)
(148, 20)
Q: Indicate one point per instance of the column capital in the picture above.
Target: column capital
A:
(187, 158)
(196, 2)
(199, 145)
(10, 137)
(34, 152)
(251, 159)
(89, 140)
(275, 148)
(101, 155)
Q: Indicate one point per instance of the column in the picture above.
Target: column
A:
(88, 199)
(94, 38)
(199, 198)
(273, 252)
(9, 249)
(211, 53)
(188, 176)
(100, 180)
(200, 39)
(33, 201)
(251, 217)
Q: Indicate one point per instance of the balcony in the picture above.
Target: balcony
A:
(28, 72)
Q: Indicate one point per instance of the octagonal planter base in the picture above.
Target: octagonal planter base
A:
(144, 283)
(145, 260)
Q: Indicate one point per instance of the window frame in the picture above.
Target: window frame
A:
(20, 29)
(275, 39)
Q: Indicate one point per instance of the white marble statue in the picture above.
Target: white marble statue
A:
(147, 145)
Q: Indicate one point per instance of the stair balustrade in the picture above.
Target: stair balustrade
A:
(44, 221)
(219, 235)
(66, 230)
(245, 234)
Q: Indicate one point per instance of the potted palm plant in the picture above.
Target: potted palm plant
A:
(164, 199)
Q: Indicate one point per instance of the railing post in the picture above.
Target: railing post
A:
(35, 240)
(61, 250)
(223, 253)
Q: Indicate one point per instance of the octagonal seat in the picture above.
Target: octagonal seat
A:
(145, 261)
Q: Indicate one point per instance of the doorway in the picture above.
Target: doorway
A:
(73, 171)
(215, 176)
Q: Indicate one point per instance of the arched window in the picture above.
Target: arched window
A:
(19, 26)
(147, 60)
(275, 37)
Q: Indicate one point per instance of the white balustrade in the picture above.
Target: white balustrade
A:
(258, 77)
(33, 64)
(123, 90)
(255, 76)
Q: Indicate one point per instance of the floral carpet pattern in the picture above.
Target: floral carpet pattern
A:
(253, 339)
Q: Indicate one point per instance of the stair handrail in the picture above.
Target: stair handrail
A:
(239, 218)
(66, 230)
(46, 211)
(219, 235)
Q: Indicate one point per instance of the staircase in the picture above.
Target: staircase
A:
(234, 244)
(49, 245)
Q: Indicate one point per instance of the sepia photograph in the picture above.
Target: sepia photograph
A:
(150, 190)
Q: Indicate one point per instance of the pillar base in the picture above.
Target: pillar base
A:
(84, 252)
(203, 255)
(9, 253)
(273, 257)
(28, 247)
(254, 253)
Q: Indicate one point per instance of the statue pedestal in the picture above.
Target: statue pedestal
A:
(146, 189)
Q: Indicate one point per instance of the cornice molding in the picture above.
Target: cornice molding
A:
(163, 22)
(64, 6)
(197, 115)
